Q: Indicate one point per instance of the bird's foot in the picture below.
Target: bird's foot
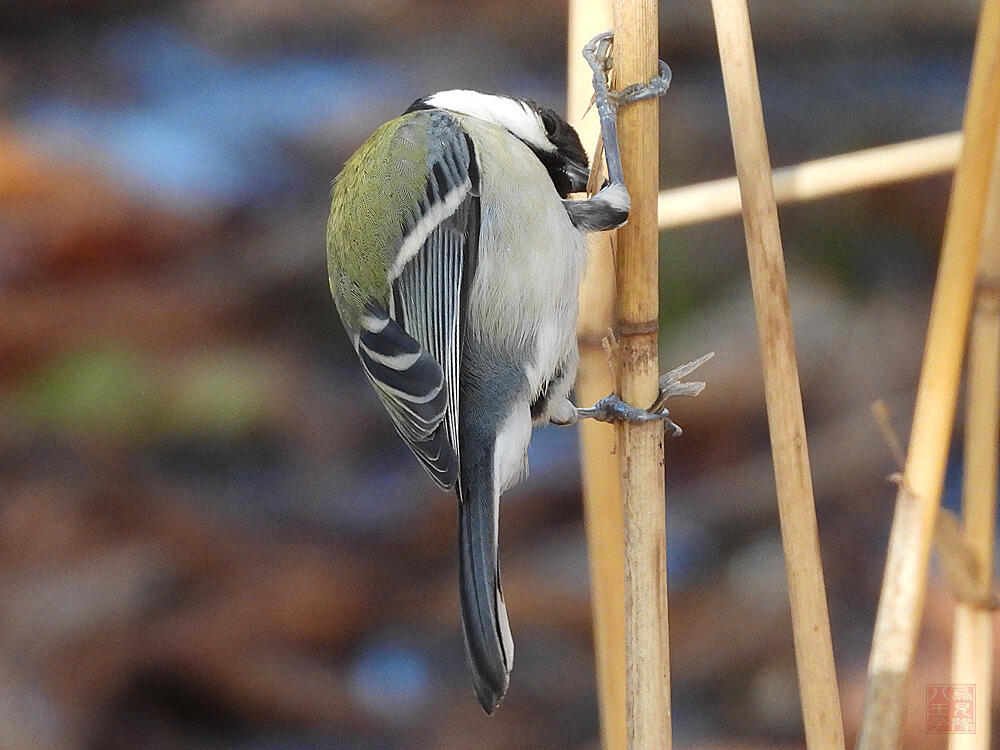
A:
(613, 409)
(597, 53)
(656, 87)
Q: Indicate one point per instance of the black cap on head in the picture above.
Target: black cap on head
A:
(568, 165)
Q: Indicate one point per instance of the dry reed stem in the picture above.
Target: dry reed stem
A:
(807, 595)
(845, 173)
(917, 502)
(647, 670)
(972, 651)
(600, 473)
(958, 558)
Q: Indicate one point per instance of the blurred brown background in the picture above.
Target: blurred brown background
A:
(210, 536)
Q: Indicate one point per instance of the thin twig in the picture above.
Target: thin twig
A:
(915, 519)
(807, 593)
(600, 473)
(844, 173)
(972, 652)
(882, 418)
(641, 445)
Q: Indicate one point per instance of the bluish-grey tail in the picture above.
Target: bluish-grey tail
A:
(484, 616)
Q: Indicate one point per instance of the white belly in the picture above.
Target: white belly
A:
(530, 261)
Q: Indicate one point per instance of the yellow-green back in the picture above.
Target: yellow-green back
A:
(374, 197)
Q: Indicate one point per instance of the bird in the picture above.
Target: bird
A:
(455, 255)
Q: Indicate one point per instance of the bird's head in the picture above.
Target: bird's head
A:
(546, 133)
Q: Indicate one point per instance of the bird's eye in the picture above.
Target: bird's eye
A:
(549, 121)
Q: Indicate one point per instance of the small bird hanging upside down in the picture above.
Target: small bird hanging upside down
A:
(455, 258)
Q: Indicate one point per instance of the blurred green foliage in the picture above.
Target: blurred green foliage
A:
(107, 391)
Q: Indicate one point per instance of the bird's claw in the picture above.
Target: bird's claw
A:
(656, 87)
(597, 54)
(672, 383)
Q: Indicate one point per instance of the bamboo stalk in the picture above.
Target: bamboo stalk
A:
(917, 502)
(600, 473)
(647, 660)
(819, 178)
(807, 594)
(972, 652)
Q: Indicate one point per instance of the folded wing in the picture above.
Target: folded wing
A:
(412, 351)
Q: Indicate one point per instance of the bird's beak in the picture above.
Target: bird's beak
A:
(578, 176)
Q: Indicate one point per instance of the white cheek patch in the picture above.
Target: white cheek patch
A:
(511, 114)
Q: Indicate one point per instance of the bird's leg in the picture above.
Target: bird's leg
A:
(597, 54)
(610, 207)
(612, 409)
